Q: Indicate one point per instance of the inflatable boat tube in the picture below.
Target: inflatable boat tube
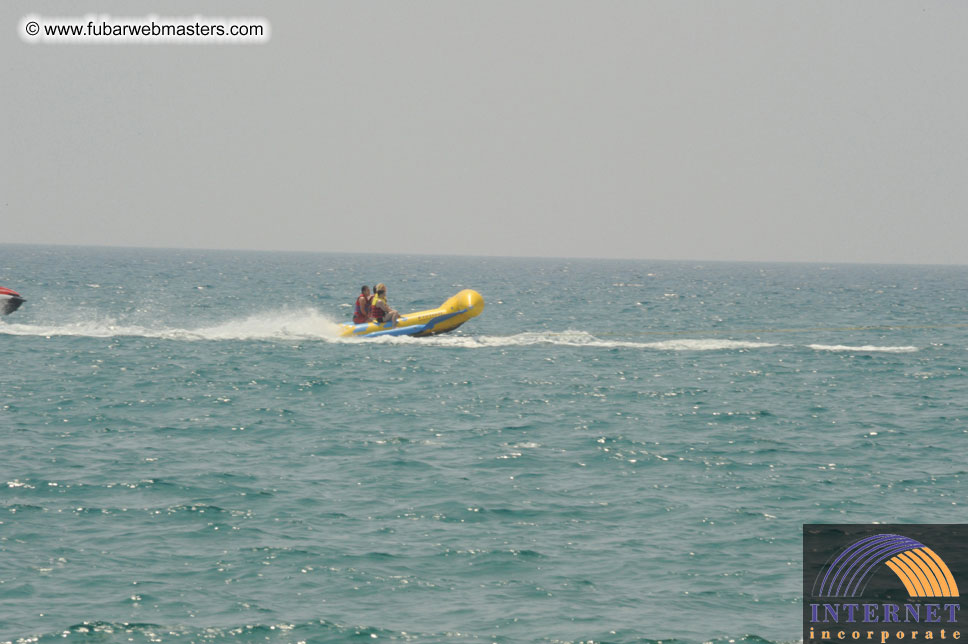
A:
(447, 317)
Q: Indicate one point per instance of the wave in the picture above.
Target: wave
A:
(321, 630)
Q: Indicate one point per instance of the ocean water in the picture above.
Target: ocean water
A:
(614, 451)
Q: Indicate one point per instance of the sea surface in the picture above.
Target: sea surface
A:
(614, 451)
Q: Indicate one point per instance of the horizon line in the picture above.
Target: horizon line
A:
(486, 256)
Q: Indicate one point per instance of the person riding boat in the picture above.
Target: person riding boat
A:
(380, 309)
(361, 311)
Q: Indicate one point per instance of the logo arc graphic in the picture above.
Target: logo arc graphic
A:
(919, 569)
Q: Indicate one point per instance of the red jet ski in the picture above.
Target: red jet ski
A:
(10, 300)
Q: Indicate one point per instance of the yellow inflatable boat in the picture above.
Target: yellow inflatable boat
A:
(447, 317)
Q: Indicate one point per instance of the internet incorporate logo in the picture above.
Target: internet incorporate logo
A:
(882, 583)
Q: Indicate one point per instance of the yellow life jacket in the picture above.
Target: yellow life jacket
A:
(379, 306)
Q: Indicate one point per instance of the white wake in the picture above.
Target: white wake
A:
(309, 324)
(306, 324)
(866, 348)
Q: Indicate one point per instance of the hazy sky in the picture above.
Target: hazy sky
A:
(809, 131)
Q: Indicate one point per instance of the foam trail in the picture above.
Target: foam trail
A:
(309, 324)
(284, 325)
(867, 348)
(574, 339)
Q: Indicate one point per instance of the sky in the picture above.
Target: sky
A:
(822, 131)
